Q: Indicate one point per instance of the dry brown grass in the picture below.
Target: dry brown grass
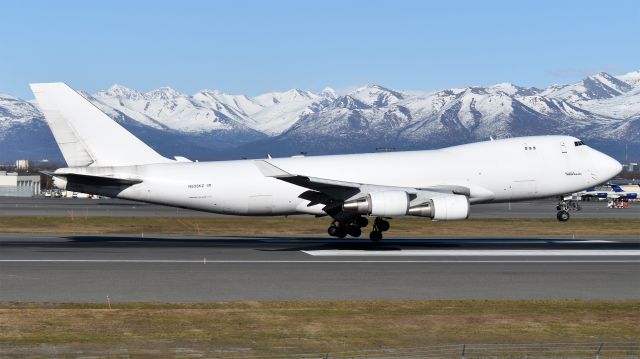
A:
(253, 226)
(278, 328)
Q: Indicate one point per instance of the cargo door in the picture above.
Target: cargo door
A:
(523, 189)
(261, 204)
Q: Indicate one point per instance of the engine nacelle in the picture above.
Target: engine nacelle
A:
(444, 208)
(59, 183)
(381, 204)
(389, 203)
(397, 203)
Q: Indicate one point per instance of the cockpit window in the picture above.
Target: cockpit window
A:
(579, 143)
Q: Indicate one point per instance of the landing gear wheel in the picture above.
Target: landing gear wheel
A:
(563, 216)
(354, 231)
(362, 222)
(337, 229)
(375, 236)
(383, 225)
(333, 231)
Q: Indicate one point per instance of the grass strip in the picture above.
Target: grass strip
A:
(275, 329)
(267, 226)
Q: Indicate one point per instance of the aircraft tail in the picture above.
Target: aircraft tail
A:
(87, 136)
(616, 188)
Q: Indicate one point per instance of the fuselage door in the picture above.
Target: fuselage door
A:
(563, 147)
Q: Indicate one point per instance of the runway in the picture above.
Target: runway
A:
(69, 207)
(194, 269)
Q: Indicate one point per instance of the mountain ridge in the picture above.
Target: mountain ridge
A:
(212, 124)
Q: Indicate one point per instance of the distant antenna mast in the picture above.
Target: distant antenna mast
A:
(626, 152)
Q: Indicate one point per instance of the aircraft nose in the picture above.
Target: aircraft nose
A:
(607, 166)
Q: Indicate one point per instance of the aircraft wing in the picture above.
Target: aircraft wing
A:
(321, 190)
(333, 192)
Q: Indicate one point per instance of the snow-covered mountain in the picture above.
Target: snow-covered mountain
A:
(23, 132)
(211, 124)
(14, 111)
(599, 86)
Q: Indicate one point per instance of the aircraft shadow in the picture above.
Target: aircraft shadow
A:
(256, 243)
(281, 244)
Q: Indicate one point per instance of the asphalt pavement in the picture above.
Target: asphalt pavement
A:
(45, 268)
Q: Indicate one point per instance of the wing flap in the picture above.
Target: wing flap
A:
(336, 190)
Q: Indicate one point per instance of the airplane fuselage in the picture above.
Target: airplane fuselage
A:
(493, 171)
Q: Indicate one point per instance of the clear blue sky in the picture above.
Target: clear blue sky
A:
(257, 46)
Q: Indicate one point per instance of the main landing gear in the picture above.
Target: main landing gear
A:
(564, 207)
(379, 225)
(354, 228)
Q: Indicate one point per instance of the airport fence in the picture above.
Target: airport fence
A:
(492, 351)
(457, 351)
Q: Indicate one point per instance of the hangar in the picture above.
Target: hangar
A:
(19, 185)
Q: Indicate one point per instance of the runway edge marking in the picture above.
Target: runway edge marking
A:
(473, 253)
(200, 262)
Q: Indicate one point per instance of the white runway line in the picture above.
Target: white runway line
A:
(453, 240)
(473, 253)
(208, 261)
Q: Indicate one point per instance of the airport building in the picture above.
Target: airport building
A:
(23, 165)
(17, 185)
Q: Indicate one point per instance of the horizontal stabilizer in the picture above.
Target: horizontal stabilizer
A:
(93, 180)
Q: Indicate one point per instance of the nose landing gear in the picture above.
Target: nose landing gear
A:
(563, 216)
(564, 207)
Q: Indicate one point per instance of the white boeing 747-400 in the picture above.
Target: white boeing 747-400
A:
(105, 159)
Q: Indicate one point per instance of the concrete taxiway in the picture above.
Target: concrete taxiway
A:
(191, 269)
(64, 207)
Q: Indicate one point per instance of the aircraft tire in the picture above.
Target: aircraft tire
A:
(341, 232)
(362, 222)
(375, 236)
(354, 231)
(333, 231)
(562, 216)
(383, 225)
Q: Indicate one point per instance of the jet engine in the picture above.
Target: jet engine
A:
(59, 183)
(381, 204)
(444, 208)
(398, 203)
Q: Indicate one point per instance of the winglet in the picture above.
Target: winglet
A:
(181, 159)
(269, 170)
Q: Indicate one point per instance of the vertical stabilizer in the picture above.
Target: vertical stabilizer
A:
(87, 136)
